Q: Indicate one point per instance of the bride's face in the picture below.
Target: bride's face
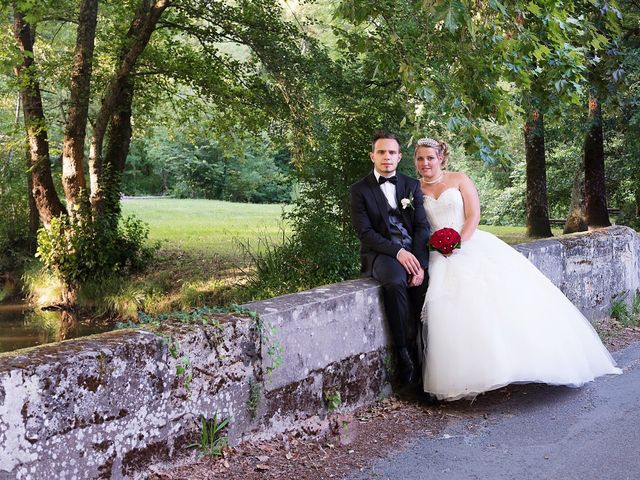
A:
(428, 164)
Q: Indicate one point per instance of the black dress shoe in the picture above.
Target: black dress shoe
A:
(428, 399)
(407, 371)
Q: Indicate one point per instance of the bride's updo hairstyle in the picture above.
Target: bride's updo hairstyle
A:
(441, 148)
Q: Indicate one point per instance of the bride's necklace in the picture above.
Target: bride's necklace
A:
(431, 182)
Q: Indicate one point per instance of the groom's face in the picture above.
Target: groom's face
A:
(386, 156)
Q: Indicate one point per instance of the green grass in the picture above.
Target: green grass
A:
(211, 227)
(201, 261)
(206, 226)
(513, 235)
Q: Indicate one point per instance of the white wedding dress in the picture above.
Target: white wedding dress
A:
(490, 318)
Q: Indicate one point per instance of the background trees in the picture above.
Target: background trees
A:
(98, 88)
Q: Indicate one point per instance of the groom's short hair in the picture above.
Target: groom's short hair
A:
(382, 134)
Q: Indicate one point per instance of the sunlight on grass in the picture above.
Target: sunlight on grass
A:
(206, 226)
(513, 235)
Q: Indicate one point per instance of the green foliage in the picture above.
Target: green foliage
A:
(628, 215)
(622, 312)
(181, 361)
(253, 402)
(202, 315)
(269, 341)
(625, 312)
(317, 254)
(76, 251)
(182, 75)
(467, 65)
(142, 174)
(332, 399)
(212, 439)
(184, 167)
(330, 146)
(112, 296)
(182, 365)
(14, 205)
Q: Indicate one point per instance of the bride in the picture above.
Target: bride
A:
(490, 318)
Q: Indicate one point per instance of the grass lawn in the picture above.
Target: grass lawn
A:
(513, 235)
(214, 227)
(206, 227)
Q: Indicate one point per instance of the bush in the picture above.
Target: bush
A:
(319, 252)
(76, 251)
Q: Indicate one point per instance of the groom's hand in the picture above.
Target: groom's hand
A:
(410, 263)
(416, 280)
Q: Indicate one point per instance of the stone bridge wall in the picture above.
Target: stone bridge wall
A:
(111, 405)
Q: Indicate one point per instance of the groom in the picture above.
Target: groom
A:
(388, 215)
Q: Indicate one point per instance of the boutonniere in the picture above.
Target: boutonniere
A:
(407, 202)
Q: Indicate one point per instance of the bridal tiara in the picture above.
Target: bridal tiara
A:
(428, 142)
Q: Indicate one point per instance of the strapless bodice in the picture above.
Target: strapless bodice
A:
(445, 211)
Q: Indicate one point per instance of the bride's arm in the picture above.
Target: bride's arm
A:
(471, 207)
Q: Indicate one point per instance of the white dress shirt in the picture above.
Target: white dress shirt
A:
(388, 189)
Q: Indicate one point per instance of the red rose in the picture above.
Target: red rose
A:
(444, 240)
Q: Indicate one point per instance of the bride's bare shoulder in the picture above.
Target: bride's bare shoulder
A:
(458, 178)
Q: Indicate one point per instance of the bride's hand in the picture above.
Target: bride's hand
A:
(449, 254)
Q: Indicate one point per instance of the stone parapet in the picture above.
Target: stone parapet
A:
(110, 405)
(322, 326)
(592, 269)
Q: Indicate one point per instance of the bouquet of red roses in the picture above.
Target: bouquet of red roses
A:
(444, 240)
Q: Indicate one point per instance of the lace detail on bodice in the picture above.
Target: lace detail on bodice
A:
(445, 211)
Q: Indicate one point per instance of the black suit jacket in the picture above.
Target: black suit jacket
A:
(370, 218)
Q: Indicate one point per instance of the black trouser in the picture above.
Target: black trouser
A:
(403, 304)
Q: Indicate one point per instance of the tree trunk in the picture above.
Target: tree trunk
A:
(119, 132)
(117, 149)
(576, 220)
(142, 26)
(34, 217)
(43, 190)
(73, 180)
(537, 204)
(594, 176)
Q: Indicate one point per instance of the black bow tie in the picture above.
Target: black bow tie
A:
(382, 179)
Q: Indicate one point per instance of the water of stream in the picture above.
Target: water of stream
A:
(22, 327)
